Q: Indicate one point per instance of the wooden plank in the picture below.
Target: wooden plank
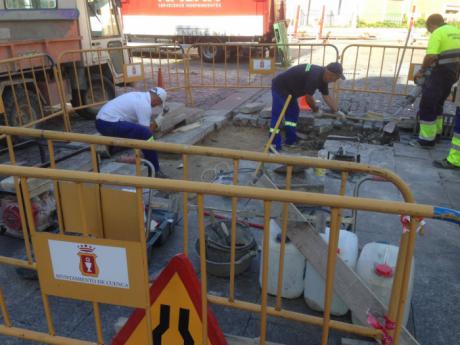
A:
(235, 340)
(347, 284)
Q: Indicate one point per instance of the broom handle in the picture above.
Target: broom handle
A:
(272, 136)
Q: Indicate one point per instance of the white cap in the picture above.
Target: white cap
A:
(160, 92)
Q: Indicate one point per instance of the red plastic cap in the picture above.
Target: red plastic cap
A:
(383, 270)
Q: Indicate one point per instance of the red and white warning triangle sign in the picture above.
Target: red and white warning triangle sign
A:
(175, 298)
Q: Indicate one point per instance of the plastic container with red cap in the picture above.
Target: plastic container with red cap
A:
(376, 266)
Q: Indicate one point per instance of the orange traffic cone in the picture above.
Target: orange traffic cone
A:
(303, 103)
(160, 79)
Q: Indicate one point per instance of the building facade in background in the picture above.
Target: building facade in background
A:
(348, 13)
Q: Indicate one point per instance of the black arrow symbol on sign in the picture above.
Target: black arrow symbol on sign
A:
(158, 332)
(183, 326)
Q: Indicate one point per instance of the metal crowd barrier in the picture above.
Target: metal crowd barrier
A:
(99, 75)
(230, 65)
(89, 78)
(268, 196)
(30, 91)
(372, 69)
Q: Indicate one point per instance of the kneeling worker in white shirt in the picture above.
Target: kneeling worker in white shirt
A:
(130, 116)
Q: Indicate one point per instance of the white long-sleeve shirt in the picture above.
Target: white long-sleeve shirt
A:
(134, 107)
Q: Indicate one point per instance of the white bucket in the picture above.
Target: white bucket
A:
(314, 286)
(294, 266)
(376, 266)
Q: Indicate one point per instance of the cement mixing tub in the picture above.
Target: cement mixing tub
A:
(218, 248)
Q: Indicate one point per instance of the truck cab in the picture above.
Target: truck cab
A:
(50, 27)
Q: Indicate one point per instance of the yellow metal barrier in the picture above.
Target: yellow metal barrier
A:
(231, 65)
(30, 92)
(373, 69)
(266, 195)
(33, 91)
(98, 75)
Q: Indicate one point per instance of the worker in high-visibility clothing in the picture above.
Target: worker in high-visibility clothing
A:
(298, 81)
(437, 86)
(453, 159)
(130, 116)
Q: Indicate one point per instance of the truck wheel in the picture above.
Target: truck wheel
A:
(26, 114)
(210, 53)
(98, 94)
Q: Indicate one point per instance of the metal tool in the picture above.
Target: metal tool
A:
(408, 100)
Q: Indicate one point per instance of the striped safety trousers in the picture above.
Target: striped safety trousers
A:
(454, 152)
(435, 92)
(290, 119)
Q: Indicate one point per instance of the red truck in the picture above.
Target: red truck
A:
(195, 21)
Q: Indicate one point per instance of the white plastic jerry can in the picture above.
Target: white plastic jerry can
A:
(294, 266)
(314, 286)
(376, 266)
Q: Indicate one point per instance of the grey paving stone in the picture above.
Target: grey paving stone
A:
(405, 150)
(251, 108)
(245, 120)
(266, 112)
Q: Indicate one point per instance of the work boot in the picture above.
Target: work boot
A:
(422, 144)
(438, 138)
(444, 164)
(160, 174)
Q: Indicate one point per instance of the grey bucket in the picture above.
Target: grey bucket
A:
(218, 246)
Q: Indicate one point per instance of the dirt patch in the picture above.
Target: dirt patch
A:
(229, 137)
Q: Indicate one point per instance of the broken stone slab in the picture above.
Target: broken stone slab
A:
(209, 124)
(245, 120)
(324, 129)
(321, 121)
(407, 124)
(266, 113)
(263, 123)
(251, 108)
(177, 114)
(236, 99)
(193, 115)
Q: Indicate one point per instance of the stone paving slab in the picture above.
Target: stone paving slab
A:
(236, 99)
(404, 150)
(213, 120)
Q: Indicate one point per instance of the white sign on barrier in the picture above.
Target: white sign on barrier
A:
(89, 264)
(261, 66)
(133, 72)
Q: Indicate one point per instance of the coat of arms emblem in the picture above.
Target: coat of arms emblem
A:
(88, 264)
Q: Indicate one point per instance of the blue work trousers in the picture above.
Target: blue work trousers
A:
(124, 129)
(290, 119)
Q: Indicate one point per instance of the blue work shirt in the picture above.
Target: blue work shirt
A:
(301, 80)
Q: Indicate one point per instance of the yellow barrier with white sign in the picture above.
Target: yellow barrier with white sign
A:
(71, 261)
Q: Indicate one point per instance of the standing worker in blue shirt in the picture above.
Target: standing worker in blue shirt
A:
(298, 81)
(130, 116)
(445, 39)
